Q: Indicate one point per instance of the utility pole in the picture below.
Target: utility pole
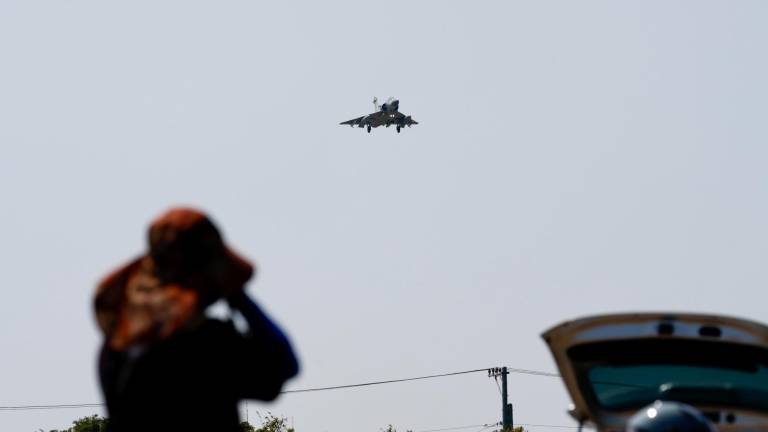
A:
(506, 407)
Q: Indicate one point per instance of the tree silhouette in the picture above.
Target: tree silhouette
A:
(92, 423)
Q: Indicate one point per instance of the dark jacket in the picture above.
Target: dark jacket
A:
(194, 380)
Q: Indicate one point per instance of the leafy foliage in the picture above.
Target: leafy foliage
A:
(93, 423)
(247, 427)
(269, 423)
(391, 428)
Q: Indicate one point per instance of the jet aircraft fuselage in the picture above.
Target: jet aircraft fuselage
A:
(387, 114)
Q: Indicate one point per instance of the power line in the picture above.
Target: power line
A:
(490, 425)
(533, 372)
(315, 389)
(484, 426)
(44, 407)
(487, 427)
(510, 370)
(497, 384)
(385, 382)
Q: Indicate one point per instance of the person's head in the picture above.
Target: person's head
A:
(668, 416)
(186, 268)
(186, 248)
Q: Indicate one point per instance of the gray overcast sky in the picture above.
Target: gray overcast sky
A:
(572, 158)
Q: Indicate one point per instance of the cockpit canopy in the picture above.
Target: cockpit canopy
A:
(391, 104)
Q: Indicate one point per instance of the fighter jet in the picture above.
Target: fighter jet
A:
(386, 114)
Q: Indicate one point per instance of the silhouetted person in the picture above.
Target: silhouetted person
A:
(164, 365)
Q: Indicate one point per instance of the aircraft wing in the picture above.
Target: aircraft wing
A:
(354, 121)
(361, 120)
(407, 120)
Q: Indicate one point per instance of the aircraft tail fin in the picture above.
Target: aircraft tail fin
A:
(376, 106)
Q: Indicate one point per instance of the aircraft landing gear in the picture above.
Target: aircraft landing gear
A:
(398, 128)
(369, 128)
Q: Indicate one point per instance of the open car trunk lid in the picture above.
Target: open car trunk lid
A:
(613, 365)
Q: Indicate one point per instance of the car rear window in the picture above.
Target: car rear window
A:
(630, 374)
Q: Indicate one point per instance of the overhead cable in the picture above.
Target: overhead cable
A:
(306, 390)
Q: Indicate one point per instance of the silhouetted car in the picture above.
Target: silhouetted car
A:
(613, 365)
